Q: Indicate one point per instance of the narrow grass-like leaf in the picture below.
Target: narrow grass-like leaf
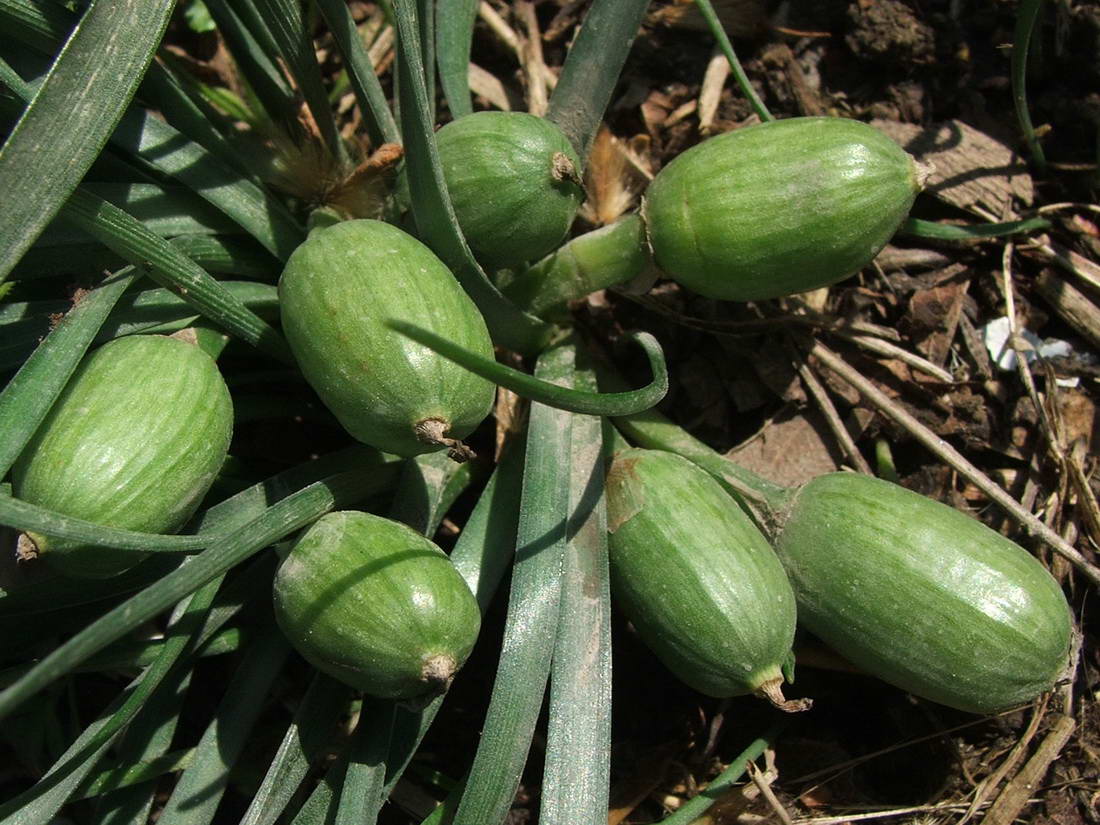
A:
(290, 514)
(38, 805)
(481, 555)
(27, 398)
(361, 794)
(381, 127)
(165, 149)
(429, 485)
(563, 398)
(577, 775)
(255, 210)
(219, 254)
(197, 793)
(151, 310)
(592, 69)
(167, 92)
(23, 515)
(117, 230)
(69, 119)
(1026, 15)
(38, 25)
(137, 772)
(715, 25)
(286, 25)
(256, 62)
(310, 730)
(320, 807)
(948, 232)
(692, 810)
(425, 20)
(454, 33)
(431, 206)
(532, 609)
(144, 744)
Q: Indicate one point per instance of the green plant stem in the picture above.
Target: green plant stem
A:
(1026, 15)
(694, 808)
(743, 81)
(562, 398)
(592, 69)
(610, 256)
(948, 232)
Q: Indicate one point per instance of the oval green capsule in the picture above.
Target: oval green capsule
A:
(778, 208)
(134, 441)
(376, 605)
(338, 292)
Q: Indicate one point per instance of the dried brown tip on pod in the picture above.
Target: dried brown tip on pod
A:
(434, 431)
(772, 690)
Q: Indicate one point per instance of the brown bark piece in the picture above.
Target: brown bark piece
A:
(972, 169)
(1072, 305)
(791, 451)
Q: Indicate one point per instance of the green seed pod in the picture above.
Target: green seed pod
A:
(922, 596)
(134, 441)
(779, 208)
(376, 605)
(336, 294)
(700, 583)
(513, 179)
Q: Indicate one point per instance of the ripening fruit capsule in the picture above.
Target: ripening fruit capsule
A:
(337, 293)
(699, 582)
(376, 605)
(922, 596)
(779, 208)
(513, 179)
(134, 441)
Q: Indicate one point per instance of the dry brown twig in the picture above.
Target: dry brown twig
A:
(949, 455)
(828, 409)
(530, 57)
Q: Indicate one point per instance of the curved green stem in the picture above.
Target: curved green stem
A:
(1025, 24)
(25, 516)
(721, 784)
(562, 398)
(947, 232)
(606, 257)
(719, 33)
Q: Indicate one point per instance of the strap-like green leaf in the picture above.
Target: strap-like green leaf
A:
(1026, 15)
(724, 44)
(117, 230)
(361, 794)
(198, 791)
(454, 32)
(68, 121)
(310, 730)
(592, 69)
(290, 514)
(694, 808)
(284, 20)
(950, 232)
(563, 398)
(37, 805)
(27, 398)
(577, 775)
(25, 516)
(431, 206)
(381, 126)
(532, 609)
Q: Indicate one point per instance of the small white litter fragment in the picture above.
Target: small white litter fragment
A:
(995, 337)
